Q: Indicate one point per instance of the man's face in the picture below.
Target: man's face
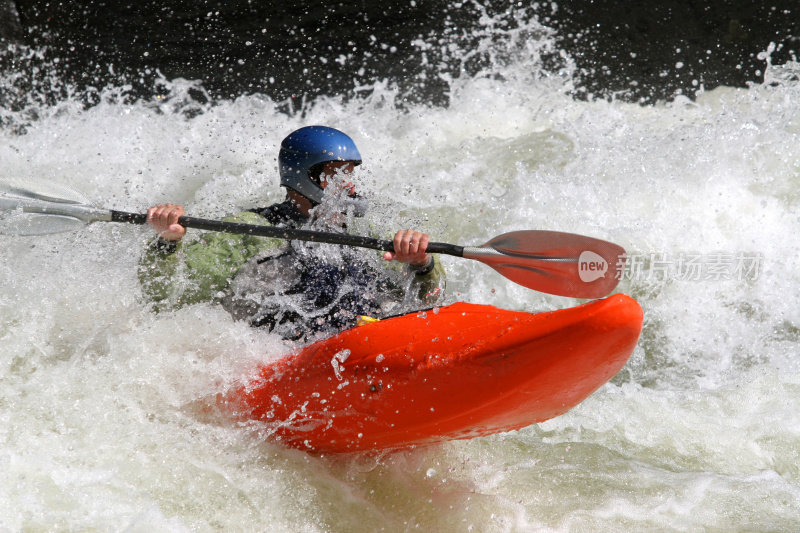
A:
(332, 169)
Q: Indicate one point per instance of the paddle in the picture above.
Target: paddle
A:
(553, 262)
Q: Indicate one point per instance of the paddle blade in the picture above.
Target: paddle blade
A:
(40, 208)
(36, 224)
(46, 191)
(558, 263)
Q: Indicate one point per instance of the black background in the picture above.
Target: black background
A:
(635, 50)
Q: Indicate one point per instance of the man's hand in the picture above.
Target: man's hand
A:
(410, 247)
(164, 219)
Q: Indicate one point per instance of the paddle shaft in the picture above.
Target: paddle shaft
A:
(288, 233)
(548, 261)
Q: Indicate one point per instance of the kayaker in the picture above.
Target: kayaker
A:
(298, 290)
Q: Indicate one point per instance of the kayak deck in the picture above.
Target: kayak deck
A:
(458, 372)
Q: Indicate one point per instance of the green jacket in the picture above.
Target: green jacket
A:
(202, 268)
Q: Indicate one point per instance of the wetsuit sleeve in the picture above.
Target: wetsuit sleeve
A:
(195, 271)
(430, 281)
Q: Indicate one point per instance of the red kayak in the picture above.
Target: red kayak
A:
(456, 372)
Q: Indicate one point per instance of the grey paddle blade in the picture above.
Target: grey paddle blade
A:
(50, 208)
(46, 191)
(37, 224)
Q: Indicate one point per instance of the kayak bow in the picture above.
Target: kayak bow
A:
(458, 372)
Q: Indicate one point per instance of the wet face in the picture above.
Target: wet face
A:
(332, 169)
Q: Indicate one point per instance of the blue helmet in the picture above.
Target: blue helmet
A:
(304, 149)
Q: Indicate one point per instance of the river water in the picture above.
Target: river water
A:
(699, 432)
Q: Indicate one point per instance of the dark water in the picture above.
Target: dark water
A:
(636, 50)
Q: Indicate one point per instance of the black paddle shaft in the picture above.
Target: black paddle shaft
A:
(288, 233)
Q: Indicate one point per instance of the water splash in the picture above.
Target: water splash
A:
(697, 432)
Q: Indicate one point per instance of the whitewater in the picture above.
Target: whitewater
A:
(698, 432)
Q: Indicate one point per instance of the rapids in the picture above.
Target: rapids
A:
(699, 431)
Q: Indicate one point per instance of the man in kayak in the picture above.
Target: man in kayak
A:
(298, 290)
